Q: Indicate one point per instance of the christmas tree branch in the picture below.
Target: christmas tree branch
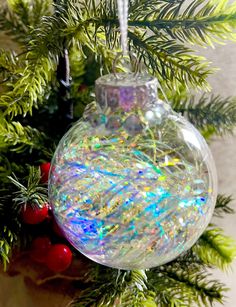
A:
(172, 62)
(31, 81)
(19, 16)
(8, 226)
(8, 65)
(165, 56)
(185, 282)
(31, 88)
(212, 115)
(7, 240)
(19, 137)
(222, 206)
(216, 249)
(40, 60)
(180, 287)
(168, 285)
(115, 288)
(198, 22)
(201, 22)
(91, 26)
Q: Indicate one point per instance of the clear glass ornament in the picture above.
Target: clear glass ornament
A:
(132, 184)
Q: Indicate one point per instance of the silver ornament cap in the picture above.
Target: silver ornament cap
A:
(126, 91)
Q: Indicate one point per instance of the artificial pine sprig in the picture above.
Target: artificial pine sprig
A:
(32, 193)
(212, 115)
(13, 134)
(216, 249)
(165, 58)
(109, 287)
(198, 22)
(18, 17)
(223, 205)
(175, 286)
(7, 239)
(9, 227)
(8, 65)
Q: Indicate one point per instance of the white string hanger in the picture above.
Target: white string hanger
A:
(123, 7)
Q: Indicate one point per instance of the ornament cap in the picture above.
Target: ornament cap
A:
(126, 91)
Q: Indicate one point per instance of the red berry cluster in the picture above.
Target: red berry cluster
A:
(57, 257)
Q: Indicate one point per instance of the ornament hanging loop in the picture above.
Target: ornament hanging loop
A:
(123, 6)
(132, 59)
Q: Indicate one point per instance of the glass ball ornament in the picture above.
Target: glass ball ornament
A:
(132, 184)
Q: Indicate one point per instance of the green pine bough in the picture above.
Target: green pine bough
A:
(161, 33)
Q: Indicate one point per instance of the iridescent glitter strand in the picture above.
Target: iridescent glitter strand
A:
(123, 20)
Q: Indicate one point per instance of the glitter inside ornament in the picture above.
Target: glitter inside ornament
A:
(132, 184)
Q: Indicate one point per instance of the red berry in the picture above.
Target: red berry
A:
(39, 249)
(59, 258)
(45, 168)
(32, 215)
